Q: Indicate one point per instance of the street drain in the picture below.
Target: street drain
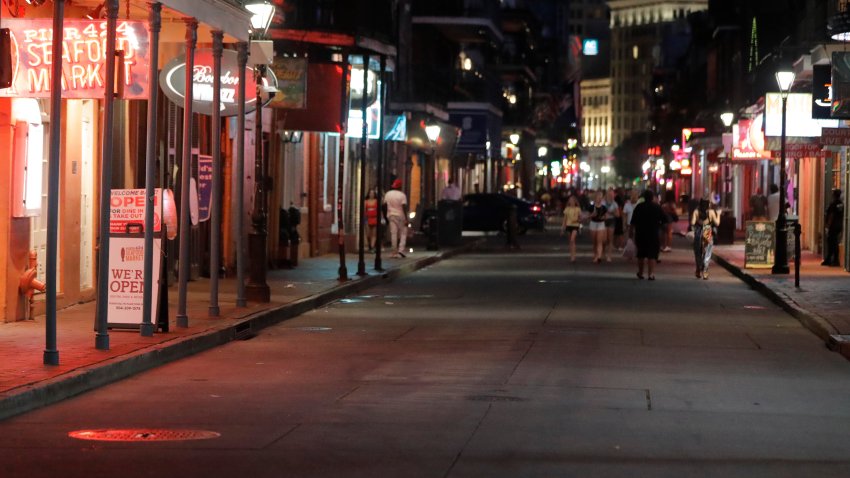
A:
(142, 434)
(494, 398)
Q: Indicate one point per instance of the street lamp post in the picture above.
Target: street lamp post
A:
(257, 289)
(785, 78)
(727, 118)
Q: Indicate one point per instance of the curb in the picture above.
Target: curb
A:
(816, 324)
(90, 377)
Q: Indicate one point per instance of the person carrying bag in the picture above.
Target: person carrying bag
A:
(703, 221)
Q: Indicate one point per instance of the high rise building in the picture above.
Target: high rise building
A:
(646, 35)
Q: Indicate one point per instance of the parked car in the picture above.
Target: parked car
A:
(489, 212)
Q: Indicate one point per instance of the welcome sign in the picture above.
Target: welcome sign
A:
(83, 58)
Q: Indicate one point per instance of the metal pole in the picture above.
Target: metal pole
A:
(147, 327)
(51, 351)
(215, 207)
(780, 258)
(239, 209)
(185, 228)
(343, 271)
(257, 288)
(797, 252)
(379, 241)
(101, 340)
(364, 100)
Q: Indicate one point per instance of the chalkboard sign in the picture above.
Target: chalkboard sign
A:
(758, 250)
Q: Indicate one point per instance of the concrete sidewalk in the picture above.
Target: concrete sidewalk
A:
(26, 383)
(820, 303)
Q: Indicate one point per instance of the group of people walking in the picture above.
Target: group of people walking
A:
(645, 222)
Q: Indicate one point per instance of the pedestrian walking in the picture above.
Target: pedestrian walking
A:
(647, 219)
(395, 212)
(612, 216)
(834, 226)
(628, 209)
(672, 217)
(758, 206)
(597, 226)
(571, 224)
(703, 221)
(371, 205)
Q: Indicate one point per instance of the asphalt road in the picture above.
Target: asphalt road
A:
(492, 364)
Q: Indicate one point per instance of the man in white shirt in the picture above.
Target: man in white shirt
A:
(395, 211)
(451, 192)
(773, 203)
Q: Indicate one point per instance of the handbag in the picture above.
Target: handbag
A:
(707, 234)
(630, 250)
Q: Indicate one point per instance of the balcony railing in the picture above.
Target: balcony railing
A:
(371, 18)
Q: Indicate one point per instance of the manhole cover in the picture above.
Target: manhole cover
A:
(143, 434)
(313, 329)
(494, 398)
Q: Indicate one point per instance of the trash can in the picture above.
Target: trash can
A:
(449, 222)
(726, 229)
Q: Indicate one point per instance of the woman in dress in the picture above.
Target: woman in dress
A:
(371, 205)
(570, 227)
(597, 226)
(647, 218)
(703, 221)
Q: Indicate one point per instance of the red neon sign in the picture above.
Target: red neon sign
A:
(83, 57)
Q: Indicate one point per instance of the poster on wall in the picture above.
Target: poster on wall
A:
(126, 280)
(840, 82)
(127, 211)
(83, 53)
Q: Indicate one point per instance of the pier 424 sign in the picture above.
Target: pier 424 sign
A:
(172, 79)
(83, 58)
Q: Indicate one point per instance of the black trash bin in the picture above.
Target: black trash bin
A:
(726, 229)
(449, 222)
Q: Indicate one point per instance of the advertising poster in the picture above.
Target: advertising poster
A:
(126, 280)
(127, 211)
(840, 84)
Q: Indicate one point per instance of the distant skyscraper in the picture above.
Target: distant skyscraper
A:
(639, 29)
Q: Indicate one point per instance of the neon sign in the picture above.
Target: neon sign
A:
(172, 79)
(83, 58)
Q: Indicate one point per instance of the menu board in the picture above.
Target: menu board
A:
(758, 249)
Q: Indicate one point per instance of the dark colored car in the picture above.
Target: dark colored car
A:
(489, 212)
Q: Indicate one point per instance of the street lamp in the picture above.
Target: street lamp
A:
(514, 137)
(257, 289)
(785, 78)
(727, 118)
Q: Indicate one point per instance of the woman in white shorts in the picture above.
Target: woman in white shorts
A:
(598, 231)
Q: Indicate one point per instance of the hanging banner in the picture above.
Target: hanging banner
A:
(83, 58)
(172, 80)
(205, 181)
(291, 76)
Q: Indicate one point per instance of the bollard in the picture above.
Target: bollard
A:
(430, 229)
(797, 258)
(294, 237)
(512, 228)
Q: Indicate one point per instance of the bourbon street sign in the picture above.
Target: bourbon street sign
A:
(83, 58)
(172, 79)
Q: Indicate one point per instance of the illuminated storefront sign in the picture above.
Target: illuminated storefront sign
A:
(83, 58)
(798, 118)
(291, 76)
(172, 79)
(373, 102)
(748, 140)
